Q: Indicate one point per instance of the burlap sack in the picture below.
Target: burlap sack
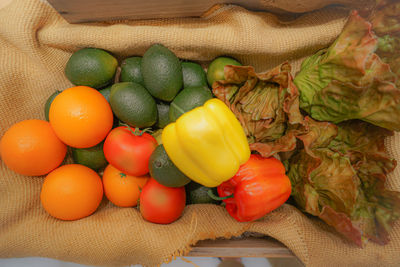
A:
(35, 44)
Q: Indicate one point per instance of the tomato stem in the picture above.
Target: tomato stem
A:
(137, 131)
(147, 130)
(128, 127)
(213, 196)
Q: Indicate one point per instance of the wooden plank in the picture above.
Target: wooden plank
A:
(76, 11)
(246, 247)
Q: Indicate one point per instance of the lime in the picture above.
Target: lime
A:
(106, 92)
(188, 99)
(163, 115)
(92, 157)
(215, 70)
(162, 72)
(198, 194)
(91, 67)
(130, 70)
(133, 104)
(193, 75)
(164, 171)
(48, 104)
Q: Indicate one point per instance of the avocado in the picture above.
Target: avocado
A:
(131, 70)
(164, 171)
(163, 115)
(91, 67)
(188, 99)
(198, 194)
(133, 104)
(48, 104)
(162, 72)
(193, 75)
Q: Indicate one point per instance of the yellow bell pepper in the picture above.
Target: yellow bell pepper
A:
(207, 144)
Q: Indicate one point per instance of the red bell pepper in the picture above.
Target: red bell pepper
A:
(259, 187)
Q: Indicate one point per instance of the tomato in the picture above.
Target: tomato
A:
(129, 150)
(161, 204)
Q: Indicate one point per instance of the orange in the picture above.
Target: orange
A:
(71, 192)
(81, 116)
(122, 189)
(31, 147)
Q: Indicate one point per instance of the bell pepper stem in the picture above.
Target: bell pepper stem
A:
(213, 196)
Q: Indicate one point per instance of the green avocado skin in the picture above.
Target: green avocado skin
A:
(164, 170)
(91, 67)
(131, 70)
(188, 99)
(162, 73)
(193, 75)
(198, 194)
(133, 104)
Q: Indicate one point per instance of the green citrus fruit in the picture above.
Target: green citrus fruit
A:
(193, 75)
(215, 70)
(188, 99)
(48, 104)
(92, 157)
(130, 70)
(162, 72)
(164, 171)
(91, 67)
(133, 104)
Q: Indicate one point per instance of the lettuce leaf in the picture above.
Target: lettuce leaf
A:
(266, 104)
(389, 52)
(385, 17)
(339, 176)
(349, 81)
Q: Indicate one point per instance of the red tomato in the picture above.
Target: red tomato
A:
(161, 204)
(128, 152)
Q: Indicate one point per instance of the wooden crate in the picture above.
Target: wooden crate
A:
(247, 247)
(75, 11)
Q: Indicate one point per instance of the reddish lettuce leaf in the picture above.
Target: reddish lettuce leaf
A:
(339, 176)
(349, 81)
(389, 51)
(385, 17)
(266, 104)
(338, 172)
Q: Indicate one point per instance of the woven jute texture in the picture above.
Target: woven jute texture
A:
(35, 44)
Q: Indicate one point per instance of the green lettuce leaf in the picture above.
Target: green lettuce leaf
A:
(266, 104)
(349, 81)
(339, 176)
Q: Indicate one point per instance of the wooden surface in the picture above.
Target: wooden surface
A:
(246, 247)
(75, 11)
